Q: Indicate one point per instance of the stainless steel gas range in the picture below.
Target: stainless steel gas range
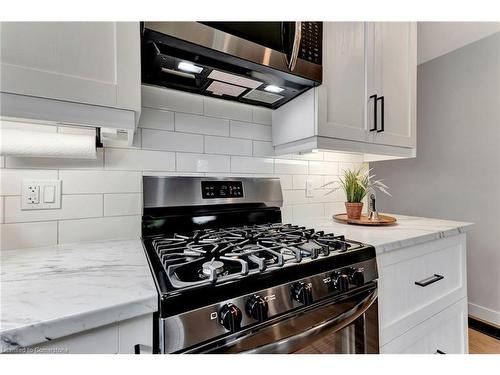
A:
(232, 278)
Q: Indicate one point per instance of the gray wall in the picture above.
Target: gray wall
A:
(456, 174)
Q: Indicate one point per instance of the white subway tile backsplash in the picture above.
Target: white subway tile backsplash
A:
(196, 174)
(323, 196)
(201, 125)
(23, 235)
(292, 197)
(55, 163)
(11, 179)
(202, 163)
(299, 181)
(286, 181)
(263, 148)
(308, 210)
(348, 166)
(286, 166)
(262, 115)
(103, 228)
(171, 141)
(334, 208)
(72, 207)
(228, 146)
(225, 109)
(82, 182)
(139, 160)
(152, 118)
(323, 167)
(250, 130)
(122, 204)
(339, 156)
(179, 134)
(242, 164)
(173, 100)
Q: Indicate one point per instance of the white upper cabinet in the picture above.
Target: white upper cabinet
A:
(394, 76)
(366, 102)
(341, 97)
(61, 68)
(85, 62)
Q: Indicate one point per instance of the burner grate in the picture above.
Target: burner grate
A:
(218, 255)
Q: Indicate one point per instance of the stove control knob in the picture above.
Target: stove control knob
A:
(230, 317)
(340, 282)
(357, 276)
(257, 308)
(302, 292)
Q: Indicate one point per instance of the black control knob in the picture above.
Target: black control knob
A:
(230, 317)
(340, 282)
(357, 276)
(257, 308)
(302, 292)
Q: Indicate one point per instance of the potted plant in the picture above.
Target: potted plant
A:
(356, 184)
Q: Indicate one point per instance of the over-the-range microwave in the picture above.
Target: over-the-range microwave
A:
(259, 63)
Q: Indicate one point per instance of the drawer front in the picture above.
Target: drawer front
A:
(417, 282)
(444, 333)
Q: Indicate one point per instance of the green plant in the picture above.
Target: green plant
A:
(356, 183)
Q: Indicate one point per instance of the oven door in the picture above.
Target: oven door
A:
(346, 326)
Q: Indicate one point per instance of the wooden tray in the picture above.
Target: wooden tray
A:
(382, 220)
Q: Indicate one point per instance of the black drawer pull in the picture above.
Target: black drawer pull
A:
(429, 280)
(439, 352)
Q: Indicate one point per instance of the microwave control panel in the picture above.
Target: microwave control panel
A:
(311, 42)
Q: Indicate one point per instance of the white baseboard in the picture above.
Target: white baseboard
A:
(484, 313)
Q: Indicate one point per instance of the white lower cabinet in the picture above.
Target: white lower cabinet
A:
(422, 297)
(444, 333)
(114, 338)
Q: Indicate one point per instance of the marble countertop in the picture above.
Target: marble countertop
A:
(51, 292)
(408, 231)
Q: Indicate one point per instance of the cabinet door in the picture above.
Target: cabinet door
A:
(444, 333)
(86, 62)
(342, 95)
(393, 74)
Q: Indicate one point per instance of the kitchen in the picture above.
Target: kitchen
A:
(169, 187)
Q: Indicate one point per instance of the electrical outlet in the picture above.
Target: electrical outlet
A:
(32, 194)
(41, 194)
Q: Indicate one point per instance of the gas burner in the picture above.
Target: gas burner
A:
(213, 266)
(218, 255)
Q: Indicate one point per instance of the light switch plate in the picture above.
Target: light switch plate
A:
(309, 189)
(40, 194)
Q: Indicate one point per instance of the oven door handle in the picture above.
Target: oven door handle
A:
(337, 323)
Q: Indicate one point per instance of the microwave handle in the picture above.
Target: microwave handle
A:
(296, 46)
(333, 324)
(292, 55)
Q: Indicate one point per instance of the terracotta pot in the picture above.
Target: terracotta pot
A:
(354, 210)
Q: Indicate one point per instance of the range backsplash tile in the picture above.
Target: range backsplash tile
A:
(182, 134)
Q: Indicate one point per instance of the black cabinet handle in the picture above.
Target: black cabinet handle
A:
(429, 280)
(374, 97)
(383, 113)
(439, 352)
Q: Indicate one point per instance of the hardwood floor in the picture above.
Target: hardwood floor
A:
(479, 343)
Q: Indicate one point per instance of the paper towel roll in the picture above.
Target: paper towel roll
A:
(27, 143)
